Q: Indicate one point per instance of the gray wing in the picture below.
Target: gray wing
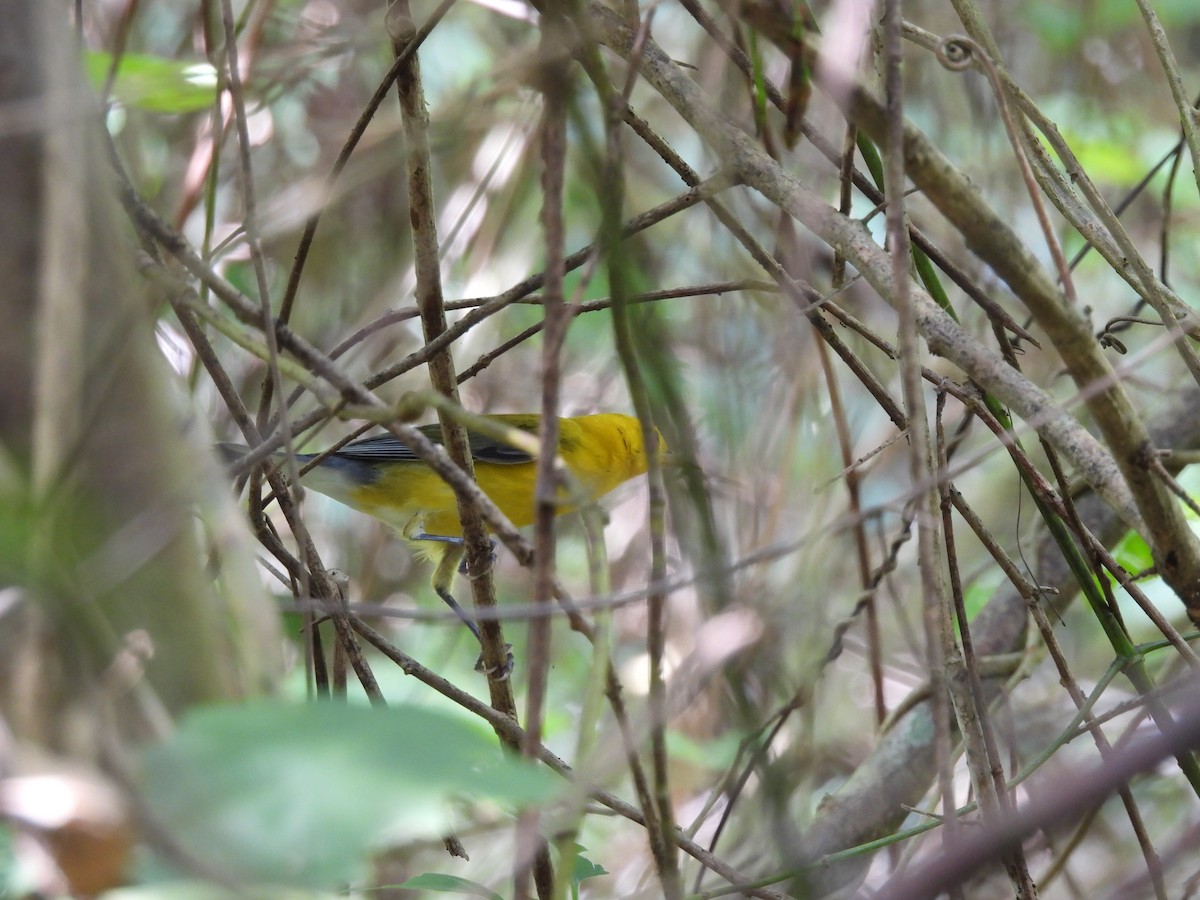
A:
(384, 448)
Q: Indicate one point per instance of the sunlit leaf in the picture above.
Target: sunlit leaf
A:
(1133, 553)
(154, 83)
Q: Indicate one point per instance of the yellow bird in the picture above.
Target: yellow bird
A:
(382, 477)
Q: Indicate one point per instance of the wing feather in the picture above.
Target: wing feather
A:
(384, 448)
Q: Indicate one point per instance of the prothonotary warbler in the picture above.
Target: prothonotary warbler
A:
(383, 477)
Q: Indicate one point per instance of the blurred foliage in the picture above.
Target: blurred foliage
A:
(450, 884)
(306, 796)
(155, 84)
(247, 786)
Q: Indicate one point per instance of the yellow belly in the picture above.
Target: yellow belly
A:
(413, 498)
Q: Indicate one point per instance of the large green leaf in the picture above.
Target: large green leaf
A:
(298, 795)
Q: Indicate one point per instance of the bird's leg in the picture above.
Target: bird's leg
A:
(436, 538)
(444, 539)
(443, 578)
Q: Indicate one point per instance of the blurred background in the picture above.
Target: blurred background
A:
(790, 669)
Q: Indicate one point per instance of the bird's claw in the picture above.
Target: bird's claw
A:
(462, 565)
(497, 673)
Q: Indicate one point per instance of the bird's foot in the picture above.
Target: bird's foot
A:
(497, 673)
(462, 565)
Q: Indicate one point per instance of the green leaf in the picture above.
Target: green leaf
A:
(154, 83)
(298, 795)
(450, 884)
(1133, 553)
(584, 867)
(977, 594)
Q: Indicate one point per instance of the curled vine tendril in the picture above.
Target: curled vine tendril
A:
(957, 53)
